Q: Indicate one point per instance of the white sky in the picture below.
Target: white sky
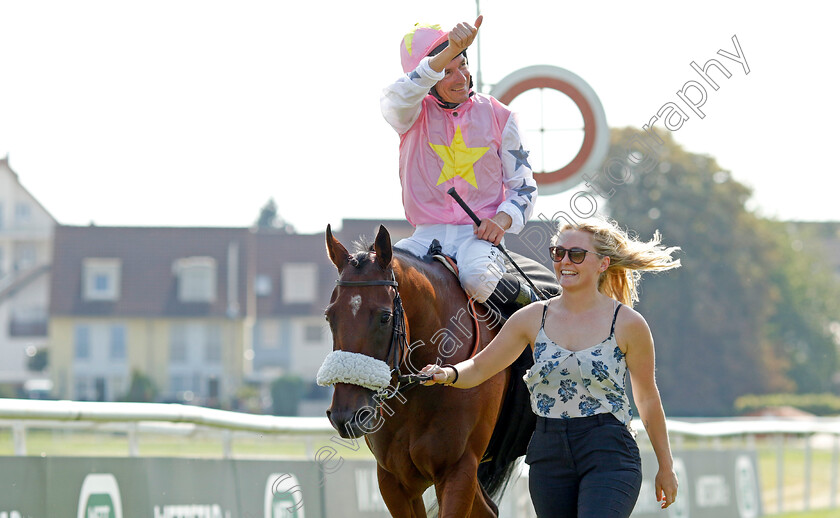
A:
(195, 113)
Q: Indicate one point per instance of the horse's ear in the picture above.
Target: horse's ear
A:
(338, 254)
(382, 247)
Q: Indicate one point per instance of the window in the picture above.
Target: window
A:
(196, 279)
(213, 345)
(178, 344)
(82, 342)
(100, 282)
(101, 279)
(267, 334)
(300, 283)
(313, 333)
(262, 285)
(118, 386)
(117, 348)
(178, 383)
(82, 384)
(23, 213)
(25, 257)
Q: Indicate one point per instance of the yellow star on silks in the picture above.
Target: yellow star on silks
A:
(458, 159)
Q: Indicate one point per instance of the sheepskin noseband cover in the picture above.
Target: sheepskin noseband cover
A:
(355, 369)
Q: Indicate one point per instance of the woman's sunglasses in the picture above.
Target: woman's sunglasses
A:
(576, 255)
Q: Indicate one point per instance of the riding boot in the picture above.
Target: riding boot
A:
(510, 295)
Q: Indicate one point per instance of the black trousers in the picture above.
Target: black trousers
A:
(586, 467)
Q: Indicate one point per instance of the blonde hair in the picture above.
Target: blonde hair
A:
(629, 257)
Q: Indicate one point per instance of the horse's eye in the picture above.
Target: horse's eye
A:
(385, 318)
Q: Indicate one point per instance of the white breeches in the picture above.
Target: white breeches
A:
(480, 264)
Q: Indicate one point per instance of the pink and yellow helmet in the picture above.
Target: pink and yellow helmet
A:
(418, 43)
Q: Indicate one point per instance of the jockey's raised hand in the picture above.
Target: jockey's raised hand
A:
(460, 37)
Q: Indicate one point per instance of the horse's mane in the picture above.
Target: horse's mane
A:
(362, 248)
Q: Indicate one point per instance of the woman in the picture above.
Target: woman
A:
(583, 459)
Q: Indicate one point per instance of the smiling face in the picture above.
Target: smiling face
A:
(586, 273)
(455, 85)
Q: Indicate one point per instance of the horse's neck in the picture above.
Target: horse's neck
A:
(418, 285)
(434, 302)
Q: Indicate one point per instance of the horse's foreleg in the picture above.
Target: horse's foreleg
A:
(398, 500)
(460, 495)
(493, 507)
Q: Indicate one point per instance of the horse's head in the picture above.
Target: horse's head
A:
(362, 313)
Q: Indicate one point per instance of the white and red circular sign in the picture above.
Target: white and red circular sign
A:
(596, 136)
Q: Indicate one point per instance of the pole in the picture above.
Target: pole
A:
(478, 83)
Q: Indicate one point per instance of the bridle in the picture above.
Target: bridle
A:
(399, 337)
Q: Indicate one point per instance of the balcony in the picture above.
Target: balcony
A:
(22, 328)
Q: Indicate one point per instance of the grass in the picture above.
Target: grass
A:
(43, 442)
(793, 475)
(823, 513)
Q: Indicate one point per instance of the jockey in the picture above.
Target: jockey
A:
(451, 136)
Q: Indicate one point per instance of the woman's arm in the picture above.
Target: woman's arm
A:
(503, 350)
(635, 334)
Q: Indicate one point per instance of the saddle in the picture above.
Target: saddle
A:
(436, 253)
(542, 277)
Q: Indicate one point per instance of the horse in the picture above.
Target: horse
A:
(391, 313)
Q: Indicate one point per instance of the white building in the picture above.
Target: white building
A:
(26, 231)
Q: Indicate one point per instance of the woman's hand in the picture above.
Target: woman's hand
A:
(666, 487)
(440, 375)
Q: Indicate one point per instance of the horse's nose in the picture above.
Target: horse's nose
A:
(345, 423)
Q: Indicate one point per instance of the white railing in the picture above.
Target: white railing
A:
(150, 417)
(134, 419)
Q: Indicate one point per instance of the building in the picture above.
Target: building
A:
(26, 232)
(173, 304)
(201, 311)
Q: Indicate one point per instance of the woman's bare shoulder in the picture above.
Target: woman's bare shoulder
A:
(630, 324)
(527, 320)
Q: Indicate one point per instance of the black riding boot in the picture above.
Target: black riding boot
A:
(510, 295)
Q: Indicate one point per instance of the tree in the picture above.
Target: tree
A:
(802, 322)
(269, 219)
(286, 392)
(141, 389)
(716, 320)
(39, 361)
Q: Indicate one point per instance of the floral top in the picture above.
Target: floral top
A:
(565, 384)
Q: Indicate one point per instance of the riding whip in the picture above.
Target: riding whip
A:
(452, 192)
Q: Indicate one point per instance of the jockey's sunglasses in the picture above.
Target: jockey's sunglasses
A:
(576, 255)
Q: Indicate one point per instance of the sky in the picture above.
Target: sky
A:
(196, 113)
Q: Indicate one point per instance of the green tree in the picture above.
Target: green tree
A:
(141, 389)
(715, 320)
(270, 219)
(808, 304)
(286, 392)
(39, 361)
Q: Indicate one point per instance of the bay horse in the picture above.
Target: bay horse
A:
(392, 313)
